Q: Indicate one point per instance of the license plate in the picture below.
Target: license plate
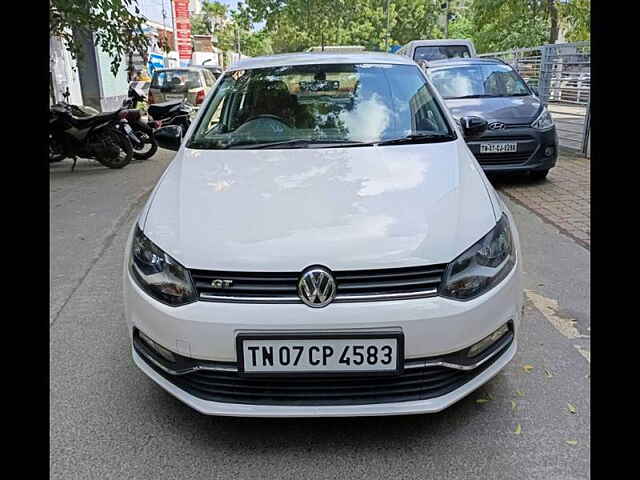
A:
(503, 147)
(320, 353)
(174, 97)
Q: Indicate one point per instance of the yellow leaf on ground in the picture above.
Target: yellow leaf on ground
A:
(527, 368)
(572, 442)
(519, 393)
(518, 429)
(571, 408)
(513, 405)
(482, 400)
(548, 373)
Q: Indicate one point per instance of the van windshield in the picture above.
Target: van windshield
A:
(441, 52)
(319, 104)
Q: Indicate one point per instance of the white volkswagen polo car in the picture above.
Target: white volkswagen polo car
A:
(323, 244)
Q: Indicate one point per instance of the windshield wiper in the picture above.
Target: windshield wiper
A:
(473, 96)
(293, 142)
(419, 138)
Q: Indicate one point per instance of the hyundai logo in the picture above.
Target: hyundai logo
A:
(496, 126)
(317, 287)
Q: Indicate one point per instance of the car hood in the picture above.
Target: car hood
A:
(509, 110)
(349, 208)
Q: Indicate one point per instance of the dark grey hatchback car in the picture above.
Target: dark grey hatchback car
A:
(521, 135)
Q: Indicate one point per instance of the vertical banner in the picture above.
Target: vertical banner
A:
(183, 28)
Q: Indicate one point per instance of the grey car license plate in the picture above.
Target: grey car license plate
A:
(499, 147)
(321, 353)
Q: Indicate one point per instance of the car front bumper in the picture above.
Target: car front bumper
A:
(531, 156)
(432, 327)
(431, 405)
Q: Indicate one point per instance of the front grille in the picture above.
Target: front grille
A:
(502, 158)
(418, 383)
(351, 285)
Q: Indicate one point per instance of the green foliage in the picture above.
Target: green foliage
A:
(576, 18)
(295, 25)
(118, 30)
(505, 24)
(201, 24)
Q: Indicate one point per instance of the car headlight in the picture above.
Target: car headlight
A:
(482, 266)
(158, 274)
(544, 120)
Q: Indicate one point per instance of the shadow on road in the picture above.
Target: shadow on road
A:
(506, 180)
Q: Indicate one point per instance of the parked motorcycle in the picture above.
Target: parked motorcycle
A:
(171, 113)
(75, 132)
(143, 141)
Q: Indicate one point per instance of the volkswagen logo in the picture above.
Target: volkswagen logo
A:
(317, 287)
(496, 126)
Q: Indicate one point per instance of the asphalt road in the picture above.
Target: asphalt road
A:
(108, 420)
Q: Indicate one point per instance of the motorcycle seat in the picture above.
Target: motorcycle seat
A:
(161, 110)
(85, 122)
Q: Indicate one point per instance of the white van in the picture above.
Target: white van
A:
(438, 49)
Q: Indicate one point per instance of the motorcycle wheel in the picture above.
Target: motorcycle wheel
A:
(54, 154)
(125, 150)
(150, 146)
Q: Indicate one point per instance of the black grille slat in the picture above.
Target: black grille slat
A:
(360, 283)
(248, 288)
(345, 386)
(390, 273)
(502, 158)
(389, 285)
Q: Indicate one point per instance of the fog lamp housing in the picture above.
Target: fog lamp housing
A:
(548, 151)
(477, 348)
(159, 349)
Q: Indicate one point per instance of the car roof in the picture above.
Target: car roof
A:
(441, 41)
(447, 62)
(312, 58)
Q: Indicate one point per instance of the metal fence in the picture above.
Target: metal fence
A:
(561, 73)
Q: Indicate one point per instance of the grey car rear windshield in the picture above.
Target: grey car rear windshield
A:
(480, 80)
(319, 103)
(441, 52)
(176, 81)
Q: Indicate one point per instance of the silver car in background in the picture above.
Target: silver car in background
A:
(176, 84)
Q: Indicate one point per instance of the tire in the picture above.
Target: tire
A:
(54, 154)
(124, 155)
(538, 174)
(150, 146)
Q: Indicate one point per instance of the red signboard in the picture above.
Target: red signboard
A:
(183, 28)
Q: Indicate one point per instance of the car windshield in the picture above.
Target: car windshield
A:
(441, 52)
(305, 105)
(177, 81)
(480, 80)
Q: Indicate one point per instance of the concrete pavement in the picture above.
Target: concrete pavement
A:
(109, 421)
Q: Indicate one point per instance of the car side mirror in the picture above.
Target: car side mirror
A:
(169, 137)
(473, 126)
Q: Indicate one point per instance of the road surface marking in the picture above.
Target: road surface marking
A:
(584, 352)
(549, 308)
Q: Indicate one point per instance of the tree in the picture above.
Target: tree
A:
(506, 24)
(117, 29)
(203, 23)
(575, 17)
